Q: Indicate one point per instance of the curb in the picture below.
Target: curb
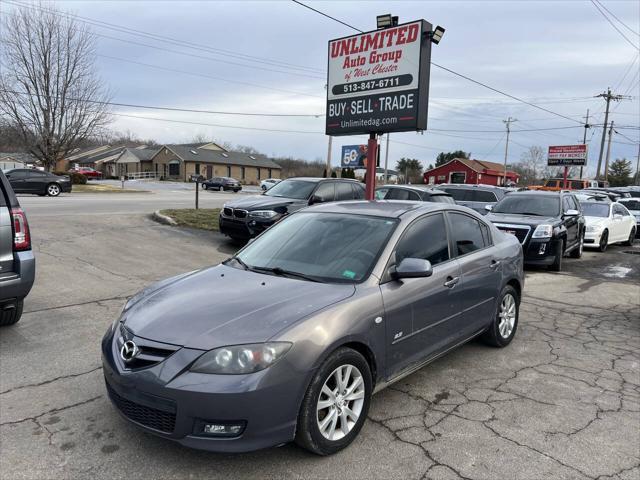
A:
(160, 218)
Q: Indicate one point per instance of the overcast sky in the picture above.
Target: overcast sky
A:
(558, 54)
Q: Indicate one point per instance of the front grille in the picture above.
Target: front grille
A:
(240, 213)
(521, 232)
(147, 416)
(228, 212)
(149, 354)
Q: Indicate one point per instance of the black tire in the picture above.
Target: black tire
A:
(53, 190)
(308, 434)
(11, 316)
(493, 335)
(632, 238)
(577, 251)
(205, 186)
(556, 266)
(604, 240)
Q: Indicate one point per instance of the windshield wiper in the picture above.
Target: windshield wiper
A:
(285, 273)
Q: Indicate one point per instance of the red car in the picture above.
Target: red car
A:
(88, 172)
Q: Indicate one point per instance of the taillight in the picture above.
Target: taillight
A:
(21, 236)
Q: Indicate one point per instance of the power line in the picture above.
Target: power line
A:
(176, 109)
(454, 72)
(327, 15)
(614, 25)
(170, 40)
(621, 22)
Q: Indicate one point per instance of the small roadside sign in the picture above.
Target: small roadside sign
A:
(567, 155)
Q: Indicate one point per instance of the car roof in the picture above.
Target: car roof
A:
(322, 179)
(468, 186)
(538, 193)
(419, 188)
(382, 208)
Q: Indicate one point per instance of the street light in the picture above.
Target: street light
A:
(386, 21)
(436, 35)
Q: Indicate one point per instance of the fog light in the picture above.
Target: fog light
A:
(252, 223)
(232, 429)
(542, 249)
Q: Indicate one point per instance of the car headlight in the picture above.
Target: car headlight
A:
(263, 214)
(241, 359)
(543, 231)
(593, 228)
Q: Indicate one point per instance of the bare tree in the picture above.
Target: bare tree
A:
(49, 89)
(534, 159)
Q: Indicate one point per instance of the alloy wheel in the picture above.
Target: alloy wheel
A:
(507, 315)
(53, 190)
(340, 402)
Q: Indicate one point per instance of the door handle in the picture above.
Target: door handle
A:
(494, 264)
(451, 282)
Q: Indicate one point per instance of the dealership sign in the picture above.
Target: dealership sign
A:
(567, 155)
(353, 156)
(379, 81)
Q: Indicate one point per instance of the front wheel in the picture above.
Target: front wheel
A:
(604, 241)
(632, 238)
(505, 323)
(336, 403)
(577, 251)
(205, 186)
(53, 189)
(556, 266)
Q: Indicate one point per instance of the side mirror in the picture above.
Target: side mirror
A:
(572, 213)
(488, 208)
(412, 268)
(315, 199)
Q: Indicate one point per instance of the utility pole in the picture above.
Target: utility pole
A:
(328, 168)
(606, 163)
(386, 161)
(637, 182)
(608, 96)
(584, 139)
(508, 123)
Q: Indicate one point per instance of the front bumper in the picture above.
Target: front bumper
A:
(243, 228)
(171, 402)
(592, 239)
(541, 251)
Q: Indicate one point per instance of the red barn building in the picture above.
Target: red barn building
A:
(473, 172)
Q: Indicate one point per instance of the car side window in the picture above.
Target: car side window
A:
(482, 196)
(344, 191)
(458, 194)
(466, 233)
(425, 238)
(358, 191)
(16, 175)
(402, 194)
(486, 234)
(566, 205)
(325, 192)
(619, 210)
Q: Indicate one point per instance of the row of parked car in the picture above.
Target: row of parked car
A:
(548, 224)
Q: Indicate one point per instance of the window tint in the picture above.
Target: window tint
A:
(358, 191)
(619, 210)
(466, 233)
(402, 194)
(426, 238)
(459, 194)
(325, 192)
(486, 234)
(17, 174)
(442, 199)
(566, 204)
(577, 184)
(344, 191)
(381, 193)
(481, 196)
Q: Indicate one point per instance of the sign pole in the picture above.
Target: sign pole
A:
(371, 166)
(329, 157)
(564, 177)
(386, 161)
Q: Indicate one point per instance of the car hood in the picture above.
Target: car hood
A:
(519, 219)
(263, 201)
(595, 221)
(227, 306)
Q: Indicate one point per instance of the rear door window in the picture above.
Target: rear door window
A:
(482, 196)
(467, 233)
(358, 191)
(402, 194)
(325, 192)
(344, 191)
(458, 194)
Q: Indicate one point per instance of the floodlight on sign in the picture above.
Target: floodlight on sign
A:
(437, 34)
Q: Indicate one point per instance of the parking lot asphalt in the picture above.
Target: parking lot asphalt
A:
(562, 401)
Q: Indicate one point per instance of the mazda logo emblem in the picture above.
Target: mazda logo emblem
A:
(129, 351)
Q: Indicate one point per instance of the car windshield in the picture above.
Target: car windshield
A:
(592, 209)
(631, 204)
(544, 206)
(326, 247)
(299, 189)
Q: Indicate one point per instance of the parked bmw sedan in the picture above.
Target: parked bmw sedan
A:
(25, 180)
(288, 339)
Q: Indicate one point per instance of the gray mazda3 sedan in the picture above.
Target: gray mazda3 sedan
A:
(288, 339)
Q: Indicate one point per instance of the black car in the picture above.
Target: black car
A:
(222, 183)
(418, 193)
(247, 217)
(549, 225)
(25, 180)
(476, 197)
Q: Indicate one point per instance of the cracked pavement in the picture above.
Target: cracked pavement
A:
(562, 401)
